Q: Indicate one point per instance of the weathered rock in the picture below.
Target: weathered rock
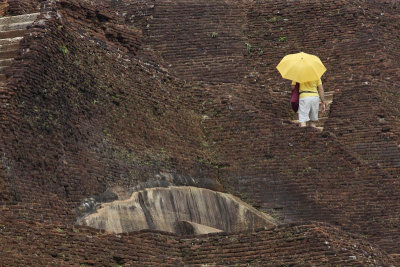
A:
(165, 179)
(191, 228)
(164, 208)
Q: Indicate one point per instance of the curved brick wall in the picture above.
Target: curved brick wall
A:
(27, 242)
(69, 125)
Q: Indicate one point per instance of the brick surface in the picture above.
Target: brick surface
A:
(17, 7)
(27, 242)
(107, 93)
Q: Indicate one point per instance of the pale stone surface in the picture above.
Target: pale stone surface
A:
(18, 19)
(164, 208)
(191, 228)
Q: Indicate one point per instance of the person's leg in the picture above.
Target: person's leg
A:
(304, 110)
(314, 107)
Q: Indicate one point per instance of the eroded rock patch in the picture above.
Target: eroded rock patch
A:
(181, 210)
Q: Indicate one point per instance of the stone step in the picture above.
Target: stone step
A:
(321, 120)
(11, 31)
(328, 96)
(4, 97)
(12, 34)
(3, 69)
(19, 19)
(8, 41)
(15, 26)
(9, 47)
(8, 54)
(6, 62)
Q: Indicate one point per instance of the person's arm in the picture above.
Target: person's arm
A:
(322, 96)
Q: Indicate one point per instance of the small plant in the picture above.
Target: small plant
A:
(282, 38)
(64, 50)
(214, 34)
(248, 47)
(59, 230)
(307, 170)
(273, 19)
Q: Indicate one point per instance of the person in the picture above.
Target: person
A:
(310, 93)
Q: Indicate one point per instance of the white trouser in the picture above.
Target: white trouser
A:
(308, 108)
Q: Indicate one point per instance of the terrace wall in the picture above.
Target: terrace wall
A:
(26, 242)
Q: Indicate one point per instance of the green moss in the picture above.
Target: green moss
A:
(282, 39)
(248, 47)
(64, 50)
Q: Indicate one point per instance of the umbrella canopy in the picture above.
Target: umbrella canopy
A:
(301, 67)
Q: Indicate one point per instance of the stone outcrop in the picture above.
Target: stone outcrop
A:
(191, 228)
(177, 209)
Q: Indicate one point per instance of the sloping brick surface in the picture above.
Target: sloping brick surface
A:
(17, 7)
(26, 242)
(78, 139)
(108, 93)
(200, 40)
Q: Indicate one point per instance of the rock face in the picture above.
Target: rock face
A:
(182, 210)
(191, 228)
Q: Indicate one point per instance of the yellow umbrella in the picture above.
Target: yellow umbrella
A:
(301, 67)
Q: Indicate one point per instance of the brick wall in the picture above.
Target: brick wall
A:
(17, 7)
(301, 174)
(74, 92)
(199, 40)
(3, 7)
(28, 242)
(95, 103)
